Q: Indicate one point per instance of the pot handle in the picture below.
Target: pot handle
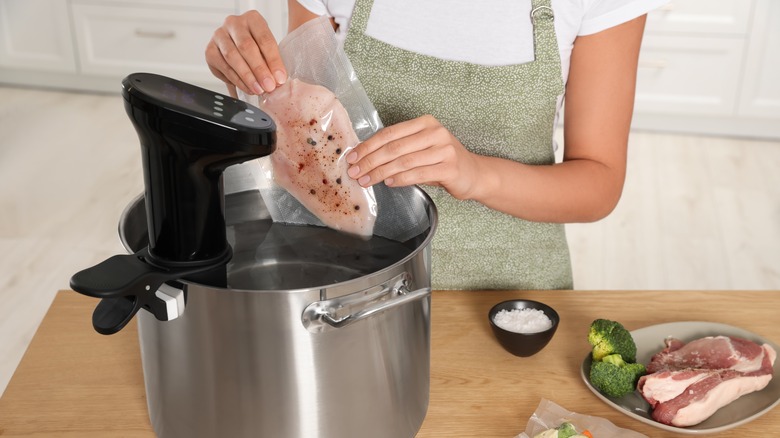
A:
(330, 314)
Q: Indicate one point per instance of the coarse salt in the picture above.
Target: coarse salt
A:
(522, 320)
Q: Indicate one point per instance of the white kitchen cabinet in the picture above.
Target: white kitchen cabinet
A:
(29, 39)
(713, 17)
(670, 78)
(93, 44)
(711, 67)
(199, 4)
(761, 92)
(119, 40)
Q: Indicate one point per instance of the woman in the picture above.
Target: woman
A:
(469, 93)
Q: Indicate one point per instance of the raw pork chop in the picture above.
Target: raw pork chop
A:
(689, 382)
(713, 352)
(313, 135)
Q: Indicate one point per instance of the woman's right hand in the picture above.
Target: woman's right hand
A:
(243, 53)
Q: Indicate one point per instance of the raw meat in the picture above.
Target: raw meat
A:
(313, 135)
(662, 386)
(713, 352)
(689, 382)
(710, 391)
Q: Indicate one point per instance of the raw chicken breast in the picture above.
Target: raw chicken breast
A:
(314, 134)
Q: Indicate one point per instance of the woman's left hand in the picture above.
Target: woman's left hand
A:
(417, 151)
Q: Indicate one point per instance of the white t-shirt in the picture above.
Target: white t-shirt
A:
(488, 32)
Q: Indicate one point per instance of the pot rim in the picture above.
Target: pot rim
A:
(432, 216)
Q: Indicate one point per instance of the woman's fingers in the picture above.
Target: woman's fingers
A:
(222, 70)
(419, 151)
(416, 159)
(421, 167)
(232, 91)
(243, 52)
(396, 149)
(393, 157)
(384, 136)
(272, 71)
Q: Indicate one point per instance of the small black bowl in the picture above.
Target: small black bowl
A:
(523, 344)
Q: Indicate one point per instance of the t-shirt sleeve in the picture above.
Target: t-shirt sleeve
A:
(603, 14)
(314, 6)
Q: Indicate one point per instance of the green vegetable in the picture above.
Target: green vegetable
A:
(615, 377)
(610, 337)
(566, 430)
(613, 371)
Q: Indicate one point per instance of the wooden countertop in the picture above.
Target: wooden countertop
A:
(73, 382)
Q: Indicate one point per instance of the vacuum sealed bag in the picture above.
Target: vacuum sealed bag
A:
(321, 113)
(314, 134)
(549, 416)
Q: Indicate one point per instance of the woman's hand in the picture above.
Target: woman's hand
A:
(418, 151)
(243, 53)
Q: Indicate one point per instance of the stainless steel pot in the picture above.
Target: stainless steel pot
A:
(311, 339)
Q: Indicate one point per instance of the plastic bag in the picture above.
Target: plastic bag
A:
(311, 195)
(314, 135)
(549, 415)
(312, 55)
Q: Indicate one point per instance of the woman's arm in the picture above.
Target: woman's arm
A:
(586, 186)
(297, 15)
(599, 104)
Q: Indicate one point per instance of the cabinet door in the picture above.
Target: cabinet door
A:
(36, 34)
(118, 40)
(713, 17)
(198, 4)
(761, 86)
(688, 75)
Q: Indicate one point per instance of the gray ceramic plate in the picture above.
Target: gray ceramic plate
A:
(650, 340)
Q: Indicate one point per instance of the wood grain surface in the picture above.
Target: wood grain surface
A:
(73, 382)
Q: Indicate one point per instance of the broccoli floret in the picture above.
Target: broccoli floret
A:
(615, 377)
(566, 430)
(610, 337)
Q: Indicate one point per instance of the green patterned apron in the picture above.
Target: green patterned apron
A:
(502, 111)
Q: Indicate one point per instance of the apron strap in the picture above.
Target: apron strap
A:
(360, 15)
(543, 20)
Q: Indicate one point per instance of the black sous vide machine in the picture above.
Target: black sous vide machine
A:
(189, 136)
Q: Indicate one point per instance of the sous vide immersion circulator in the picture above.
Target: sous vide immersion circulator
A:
(189, 136)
